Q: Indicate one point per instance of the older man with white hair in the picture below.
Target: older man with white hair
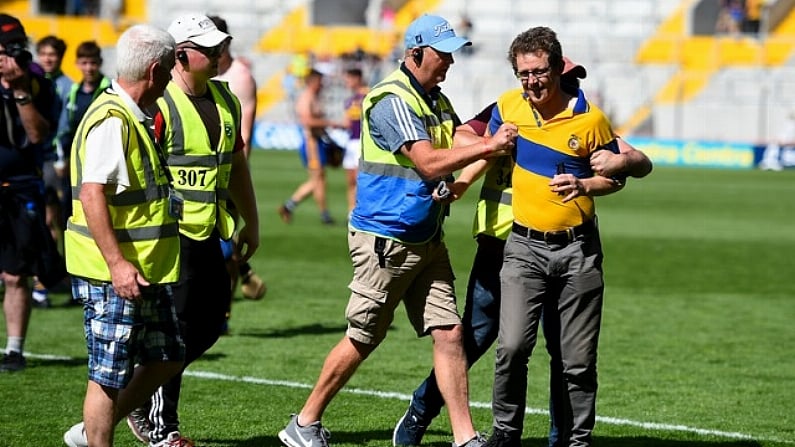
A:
(121, 243)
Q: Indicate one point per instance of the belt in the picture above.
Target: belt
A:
(562, 237)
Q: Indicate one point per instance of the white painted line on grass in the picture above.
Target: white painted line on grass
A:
(62, 358)
(486, 405)
(653, 426)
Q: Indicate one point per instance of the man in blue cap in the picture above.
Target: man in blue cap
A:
(395, 236)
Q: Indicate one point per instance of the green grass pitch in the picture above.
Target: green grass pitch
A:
(697, 347)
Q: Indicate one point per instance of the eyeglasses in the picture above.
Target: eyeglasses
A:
(210, 52)
(536, 74)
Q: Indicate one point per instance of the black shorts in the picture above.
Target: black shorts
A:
(23, 232)
(203, 293)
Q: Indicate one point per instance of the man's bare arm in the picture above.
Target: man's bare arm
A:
(465, 135)
(241, 191)
(124, 276)
(629, 161)
(246, 91)
(434, 163)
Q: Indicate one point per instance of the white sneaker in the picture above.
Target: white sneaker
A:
(767, 165)
(76, 436)
(174, 439)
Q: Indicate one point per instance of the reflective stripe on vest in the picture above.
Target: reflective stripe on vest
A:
(132, 234)
(148, 237)
(201, 169)
(494, 195)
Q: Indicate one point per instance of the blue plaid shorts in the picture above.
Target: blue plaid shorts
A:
(122, 333)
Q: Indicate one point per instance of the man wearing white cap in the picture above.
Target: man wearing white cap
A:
(395, 238)
(197, 123)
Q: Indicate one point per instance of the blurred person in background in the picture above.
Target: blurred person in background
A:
(753, 16)
(237, 72)
(354, 81)
(50, 51)
(28, 120)
(311, 116)
(88, 59)
(731, 16)
(771, 157)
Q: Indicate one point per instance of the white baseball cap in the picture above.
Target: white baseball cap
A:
(197, 28)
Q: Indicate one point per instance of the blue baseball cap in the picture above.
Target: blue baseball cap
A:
(435, 32)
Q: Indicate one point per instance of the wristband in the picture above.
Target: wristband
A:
(22, 99)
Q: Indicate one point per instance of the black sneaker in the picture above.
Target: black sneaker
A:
(477, 441)
(13, 361)
(502, 439)
(410, 429)
(42, 303)
(285, 213)
(326, 219)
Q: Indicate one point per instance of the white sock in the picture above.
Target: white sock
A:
(15, 344)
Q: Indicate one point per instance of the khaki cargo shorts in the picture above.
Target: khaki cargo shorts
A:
(420, 275)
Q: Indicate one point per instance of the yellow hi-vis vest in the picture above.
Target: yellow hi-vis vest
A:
(393, 200)
(201, 168)
(147, 235)
(439, 128)
(494, 215)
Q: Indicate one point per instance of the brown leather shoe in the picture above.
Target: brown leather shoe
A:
(252, 286)
(285, 214)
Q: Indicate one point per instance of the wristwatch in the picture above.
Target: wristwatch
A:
(22, 99)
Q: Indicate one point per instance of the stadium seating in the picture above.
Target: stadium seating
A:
(644, 68)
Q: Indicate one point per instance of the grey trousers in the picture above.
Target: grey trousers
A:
(569, 279)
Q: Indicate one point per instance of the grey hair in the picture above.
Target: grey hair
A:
(138, 47)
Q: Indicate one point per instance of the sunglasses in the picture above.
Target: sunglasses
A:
(210, 52)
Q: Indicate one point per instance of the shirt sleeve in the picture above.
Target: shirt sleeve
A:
(496, 119)
(479, 123)
(393, 124)
(158, 124)
(105, 159)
